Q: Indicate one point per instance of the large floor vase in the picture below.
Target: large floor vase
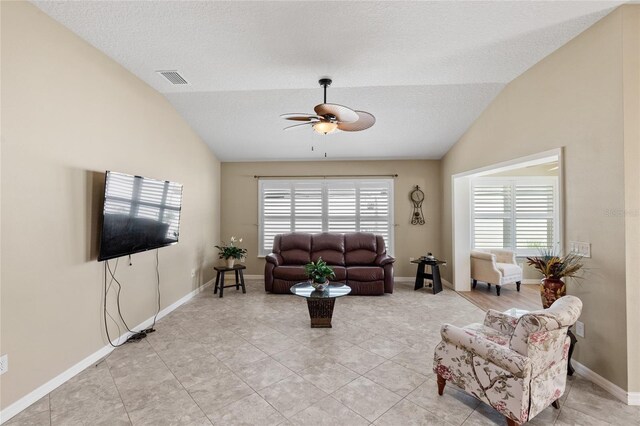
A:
(551, 289)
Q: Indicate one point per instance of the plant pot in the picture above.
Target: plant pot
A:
(320, 286)
(230, 262)
(551, 289)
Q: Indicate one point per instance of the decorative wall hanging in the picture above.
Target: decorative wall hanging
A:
(417, 197)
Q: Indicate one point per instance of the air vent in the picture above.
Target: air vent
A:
(173, 77)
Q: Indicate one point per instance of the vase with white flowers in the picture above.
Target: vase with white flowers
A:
(230, 252)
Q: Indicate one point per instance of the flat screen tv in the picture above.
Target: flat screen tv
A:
(138, 214)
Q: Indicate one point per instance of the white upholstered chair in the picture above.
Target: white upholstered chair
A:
(495, 266)
(516, 365)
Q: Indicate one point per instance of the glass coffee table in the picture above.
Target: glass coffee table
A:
(320, 303)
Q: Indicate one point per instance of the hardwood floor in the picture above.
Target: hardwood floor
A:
(528, 298)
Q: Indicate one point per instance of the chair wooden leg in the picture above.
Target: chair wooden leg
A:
(498, 289)
(441, 383)
(511, 422)
(475, 283)
(518, 285)
(488, 286)
(556, 404)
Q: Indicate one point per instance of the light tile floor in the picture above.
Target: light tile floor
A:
(252, 359)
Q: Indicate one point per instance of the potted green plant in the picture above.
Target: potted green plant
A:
(230, 252)
(554, 268)
(319, 273)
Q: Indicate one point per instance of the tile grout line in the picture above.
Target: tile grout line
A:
(116, 386)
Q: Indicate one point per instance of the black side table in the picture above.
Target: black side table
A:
(434, 276)
(220, 278)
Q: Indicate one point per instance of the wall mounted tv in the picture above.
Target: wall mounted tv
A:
(138, 214)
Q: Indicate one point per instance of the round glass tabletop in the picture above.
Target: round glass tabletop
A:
(332, 291)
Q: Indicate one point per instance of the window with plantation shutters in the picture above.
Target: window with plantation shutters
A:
(328, 205)
(519, 213)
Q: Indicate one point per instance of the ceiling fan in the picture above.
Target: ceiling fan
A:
(331, 117)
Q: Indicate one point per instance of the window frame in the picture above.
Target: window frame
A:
(357, 183)
(514, 182)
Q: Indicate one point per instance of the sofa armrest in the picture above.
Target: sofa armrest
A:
(500, 321)
(502, 356)
(274, 259)
(384, 259)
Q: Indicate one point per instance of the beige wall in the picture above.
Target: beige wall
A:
(240, 203)
(69, 113)
(631, 85)
(571, 99)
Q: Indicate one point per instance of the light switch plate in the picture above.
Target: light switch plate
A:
(580, 328)
(580, 248)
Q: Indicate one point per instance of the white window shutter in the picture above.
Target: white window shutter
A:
(329, 205)
(519, 214)
(492, 214)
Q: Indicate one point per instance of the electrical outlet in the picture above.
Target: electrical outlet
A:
(411, 259)
(580, 328)
(193, 273)
(4, 363)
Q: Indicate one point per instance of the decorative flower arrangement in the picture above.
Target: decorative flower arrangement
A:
(230, 252)
(555, 266)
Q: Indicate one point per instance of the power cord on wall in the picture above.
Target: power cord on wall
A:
(135, 335)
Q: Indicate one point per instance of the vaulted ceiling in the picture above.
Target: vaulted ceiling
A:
(426, 70)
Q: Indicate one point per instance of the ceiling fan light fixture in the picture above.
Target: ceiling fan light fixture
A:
(325, 127)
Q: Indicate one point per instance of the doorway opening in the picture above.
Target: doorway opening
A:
(475, 227)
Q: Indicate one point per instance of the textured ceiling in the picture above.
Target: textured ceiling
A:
(426, 70)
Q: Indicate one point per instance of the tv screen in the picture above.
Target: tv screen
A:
(138, 214)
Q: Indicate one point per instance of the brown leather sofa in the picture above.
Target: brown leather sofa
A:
(358, 259)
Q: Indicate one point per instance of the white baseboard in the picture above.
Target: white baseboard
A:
(254, 277)
(530, 281)
(63, 377)
(630, 398)
(404, 279)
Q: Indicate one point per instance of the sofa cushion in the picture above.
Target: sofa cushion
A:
(360, 241)
(365, 273)
(360, 249)
(290, 273)
(329, 247)
(294, 248)
(295, 257)
(341, 274)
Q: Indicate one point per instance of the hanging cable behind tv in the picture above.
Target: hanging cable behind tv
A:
(135, 336)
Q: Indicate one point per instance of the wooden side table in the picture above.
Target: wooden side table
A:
(434, 276)
(220, 278)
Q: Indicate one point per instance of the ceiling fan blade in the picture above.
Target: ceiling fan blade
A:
(299, 125)
(340, 112)
(299, 118)
(365, 120)
(297, 114)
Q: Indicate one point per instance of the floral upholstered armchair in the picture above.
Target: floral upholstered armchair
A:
(516, 365)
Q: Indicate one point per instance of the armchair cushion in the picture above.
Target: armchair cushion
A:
(510, 272)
